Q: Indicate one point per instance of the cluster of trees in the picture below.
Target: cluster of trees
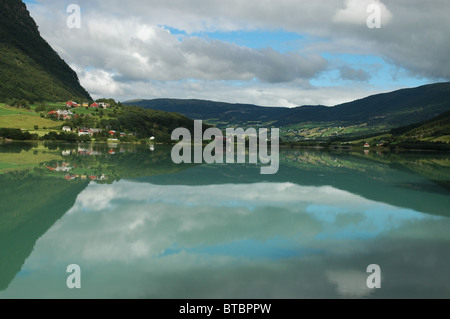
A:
(147, 123)
(17, 134)
(19, 103)
(66, 137)
(142, 123)
(424, 145)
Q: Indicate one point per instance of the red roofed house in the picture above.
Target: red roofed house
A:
(94, 105)
(71, 104)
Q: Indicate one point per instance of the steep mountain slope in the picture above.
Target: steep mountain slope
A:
(29, 68)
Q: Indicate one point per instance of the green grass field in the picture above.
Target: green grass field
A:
(11, 117)
(6, 110)
(444, 138)
(27, 159)
(26, 122)
(25, 119)
(325, 130)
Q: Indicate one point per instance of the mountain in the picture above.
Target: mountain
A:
(206, 110)
(29, 68)
(436, 129)
(394, 109)
(29, 207)
(391, 182)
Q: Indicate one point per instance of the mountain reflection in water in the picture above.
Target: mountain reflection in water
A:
(140, 226)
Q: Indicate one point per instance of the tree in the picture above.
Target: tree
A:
(40, 108)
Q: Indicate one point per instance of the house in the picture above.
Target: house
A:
(65, 114)
(84, 132)
(94, 105)
(112, 132)
(85, 104)
(65, 167)
(71, 104)
(367, 145)
(103, 105)
(67, 129)
(123, 134)
(88, 131)
(96, 130)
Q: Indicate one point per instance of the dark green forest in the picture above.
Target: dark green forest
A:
(142, 123)
(29, 68)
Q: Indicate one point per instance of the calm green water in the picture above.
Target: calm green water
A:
(140, 226)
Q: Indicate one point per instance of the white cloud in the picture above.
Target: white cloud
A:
(122, 49)
(162, 240)
(356, 12)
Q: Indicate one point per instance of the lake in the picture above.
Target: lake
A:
(139, 226)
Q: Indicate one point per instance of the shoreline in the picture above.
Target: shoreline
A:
(333, 148)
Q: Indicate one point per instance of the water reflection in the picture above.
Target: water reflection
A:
(151, 229)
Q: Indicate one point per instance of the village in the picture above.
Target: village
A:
(68, 114)
(66, 168)
(72, 104)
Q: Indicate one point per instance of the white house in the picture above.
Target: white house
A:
(65, 113)
(67, 129)
(85, 132)
(103, 105)
(96, 130)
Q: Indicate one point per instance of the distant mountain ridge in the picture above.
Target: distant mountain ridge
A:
(29, 68)
(394, 109)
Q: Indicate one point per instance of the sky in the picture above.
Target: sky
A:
(272, 53)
